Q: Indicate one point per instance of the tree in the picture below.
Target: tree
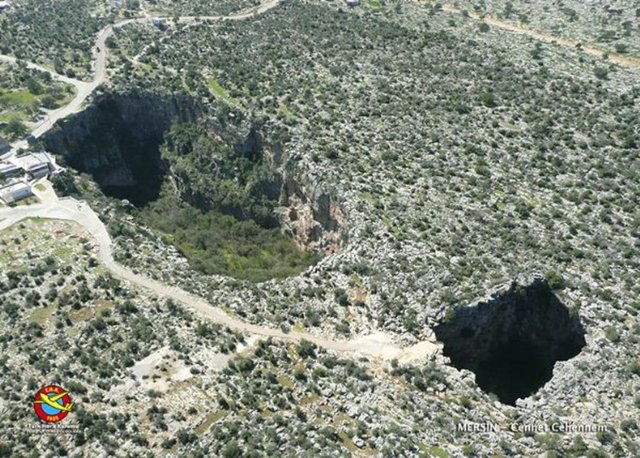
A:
(488, 99)
(232, 450)
(621, 48)
(306, 349)
(555, 280)
(601, 72)
(16, 128)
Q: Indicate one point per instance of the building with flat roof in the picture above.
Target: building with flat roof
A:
(4, 5)
(7, 170)
(15, 192)
(37, 165)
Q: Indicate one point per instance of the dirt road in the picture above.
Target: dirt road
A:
(378, 345)
(625, 61)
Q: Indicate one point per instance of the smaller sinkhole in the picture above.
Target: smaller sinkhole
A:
(513, 341)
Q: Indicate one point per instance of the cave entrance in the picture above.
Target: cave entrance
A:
(513, 341)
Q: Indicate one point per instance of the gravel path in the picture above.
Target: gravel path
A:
(378, 345)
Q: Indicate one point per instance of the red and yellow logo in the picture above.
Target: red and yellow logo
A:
(52, 404)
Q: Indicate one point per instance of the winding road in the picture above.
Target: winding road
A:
(99, 63)
(377, 345)
(85, 88)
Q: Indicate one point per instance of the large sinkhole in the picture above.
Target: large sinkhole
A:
(513, 341)
(215, 179)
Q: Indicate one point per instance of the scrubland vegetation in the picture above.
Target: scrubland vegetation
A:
(197, 7)
(55, 33)
(464, 157)
(614, 26)
(23, 94)
(220, 244)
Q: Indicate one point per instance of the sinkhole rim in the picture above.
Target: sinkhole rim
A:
(512, 341)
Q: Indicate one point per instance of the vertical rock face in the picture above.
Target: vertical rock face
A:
(512, 341)
(117, 141)
(252, 146)
(311, 215)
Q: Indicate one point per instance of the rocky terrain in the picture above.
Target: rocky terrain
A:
(458, 179)
(614, 26)
(196, 7)
(55, 33)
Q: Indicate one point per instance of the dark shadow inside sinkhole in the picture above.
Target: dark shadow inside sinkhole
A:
(513, 341)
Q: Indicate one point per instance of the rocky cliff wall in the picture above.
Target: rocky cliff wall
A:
(117, 141)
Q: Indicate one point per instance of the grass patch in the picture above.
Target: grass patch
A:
(73, 332)
(285, 381)
(220, 244)
(438, 452)
(220, 91)
(86, 313)
(217, 89)
(13, 116)
(24, 93)
(347, 442)
(21, 98)
(285, 111)
(42, 314)
(311, 399)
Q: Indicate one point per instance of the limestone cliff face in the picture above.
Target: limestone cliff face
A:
(117, 140)
(310, 214)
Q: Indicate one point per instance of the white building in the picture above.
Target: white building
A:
(37, 165)
(7, 169)
(4, 5)
(15, 192)
(353, 2)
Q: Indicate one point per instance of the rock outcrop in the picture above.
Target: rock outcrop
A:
(311, 214)
(118, 141)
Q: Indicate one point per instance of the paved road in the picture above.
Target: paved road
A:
(85, 88)
(99, 63)
(377, 345)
